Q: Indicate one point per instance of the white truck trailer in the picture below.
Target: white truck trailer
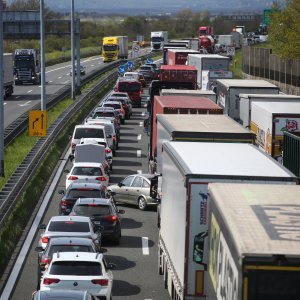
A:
(226, 40)
(247, 99)
(8, 74)
(187, 170)
(254, 242)
(228, 91)
(158, 40)
(208, 62)
(191, 93)
(269, 120)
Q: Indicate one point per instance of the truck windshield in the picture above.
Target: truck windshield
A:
(24, 63)
(156, 39)
(110, 47)
(129, 86)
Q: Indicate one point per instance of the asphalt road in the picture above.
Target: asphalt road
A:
(136, 276)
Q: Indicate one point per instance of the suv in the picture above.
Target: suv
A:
(62, 226)
(79, 271)
(80, 189)
(62, 244)
(104, 215)
(86, 131)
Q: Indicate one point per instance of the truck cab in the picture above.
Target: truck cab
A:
(158, 39)
(110, 49)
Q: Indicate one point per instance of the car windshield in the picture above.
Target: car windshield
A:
(83, 193)
(76, 268)
(69, 248)
(87, 171)
(88, 133)
(119, 95)
(129, 86)
(115, 106)
(89, 210)
(69, 226)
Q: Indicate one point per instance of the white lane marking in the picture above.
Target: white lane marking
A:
(145, 105)
(50, 81)
(4, 103)
(25, 104)
(25, 248)
(141, 124)
(138, 153)
(29, 91)
(65, 82)
(60, 77)
(92, 65)
(40, 86)
(143, 114)
(139, 171)
(18, 97)
(139, 137)
(68, 74)
(145, 246)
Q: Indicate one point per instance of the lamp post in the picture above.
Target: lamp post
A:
(73, 88)
(42, 41)
(1, 95)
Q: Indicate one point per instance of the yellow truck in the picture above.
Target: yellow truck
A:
(114, 47)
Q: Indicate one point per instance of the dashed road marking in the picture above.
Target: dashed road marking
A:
(145, 245)
(4, 103)
(92, 65)
(141, 124)
(138, 153)
(60, 77)
(50, 81)
(143, 114)
(25, 104)
(139, 137)
(139, 171)
(18, 97)
(29, 91)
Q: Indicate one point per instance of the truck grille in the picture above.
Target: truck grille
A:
(24, 75)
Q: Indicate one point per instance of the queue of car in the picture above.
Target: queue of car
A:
(69, 248)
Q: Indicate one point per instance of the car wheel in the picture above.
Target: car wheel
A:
(142, 203)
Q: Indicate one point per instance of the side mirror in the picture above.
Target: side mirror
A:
(121, 211)
(39, 249)
(61, 192)
(42, 226)
(111, 266)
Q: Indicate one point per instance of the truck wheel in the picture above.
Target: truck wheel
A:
(142, 203)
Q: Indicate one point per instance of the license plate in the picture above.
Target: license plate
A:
(97, 222)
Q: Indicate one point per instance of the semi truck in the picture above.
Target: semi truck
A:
(179, 56)
(269, 120)
(114, 47)
(191, 93)
(8, 75)
(187, 169)
(246, 101)
(229, 89)
(27, 68)
(226, 40)
(208, 62)
(199, 128)
(158, 39)
(179, 105)
(254, 242)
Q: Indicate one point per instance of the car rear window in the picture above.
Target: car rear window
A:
(69, 226)
(77, 268)
(89, 210)
(115, 106)
(70, 248)
(87, 171)
(119, 95)
(146, 68)
(129, 86)
(88, 133)
(88, 193)
(100, 114)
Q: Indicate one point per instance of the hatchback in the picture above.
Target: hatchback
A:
(66, 226)
(104, 215)
(80, 189)
(134, 189)
(79, 271)
(116, 105)
(107, 112)
(148, 72)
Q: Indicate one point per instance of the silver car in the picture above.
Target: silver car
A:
(134, 189)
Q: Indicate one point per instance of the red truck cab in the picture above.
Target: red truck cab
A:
(132, 87)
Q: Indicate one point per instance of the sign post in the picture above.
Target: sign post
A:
(37, 123)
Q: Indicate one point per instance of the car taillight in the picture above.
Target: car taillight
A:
(107, 150)
(46, 260)
(122, 111)
(103, 282)
(48, 281)
(101, 178)
(73, 145)
(63, 203)
(72, 178)
(45, 240)
(111, 218)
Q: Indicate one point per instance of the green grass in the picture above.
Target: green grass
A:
(236, 65)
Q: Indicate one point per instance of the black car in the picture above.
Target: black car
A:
(63, 294)
(147, 72)
(62, 244)
(155, 70)
(104, 215)
(80, 189)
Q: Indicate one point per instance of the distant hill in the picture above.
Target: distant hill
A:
(134, 7)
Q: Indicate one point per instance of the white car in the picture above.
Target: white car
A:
(116, 105)
(131, 75)
(79, 271)
(88, 172)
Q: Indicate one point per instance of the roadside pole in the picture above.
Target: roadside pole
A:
(1, 95)
(42, 40)
(73, 88)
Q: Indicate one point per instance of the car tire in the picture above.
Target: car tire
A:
(142, 203)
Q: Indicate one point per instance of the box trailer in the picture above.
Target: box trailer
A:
(8, 74)
(179, 105)
(178, 73)
(179, 56)
(226, 40)
(199, 128)
(212, 62)
(228, 91)
(247, 99)
(187, 169)
(269, 120)
(191, 93)
(291, 150)
(254, 242)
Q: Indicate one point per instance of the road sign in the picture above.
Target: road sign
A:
(266, 16)
(37, 123)
(121, 69)
(130, 64)
(149, 60)
(135, 48)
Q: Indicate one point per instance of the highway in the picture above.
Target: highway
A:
(136, 275)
